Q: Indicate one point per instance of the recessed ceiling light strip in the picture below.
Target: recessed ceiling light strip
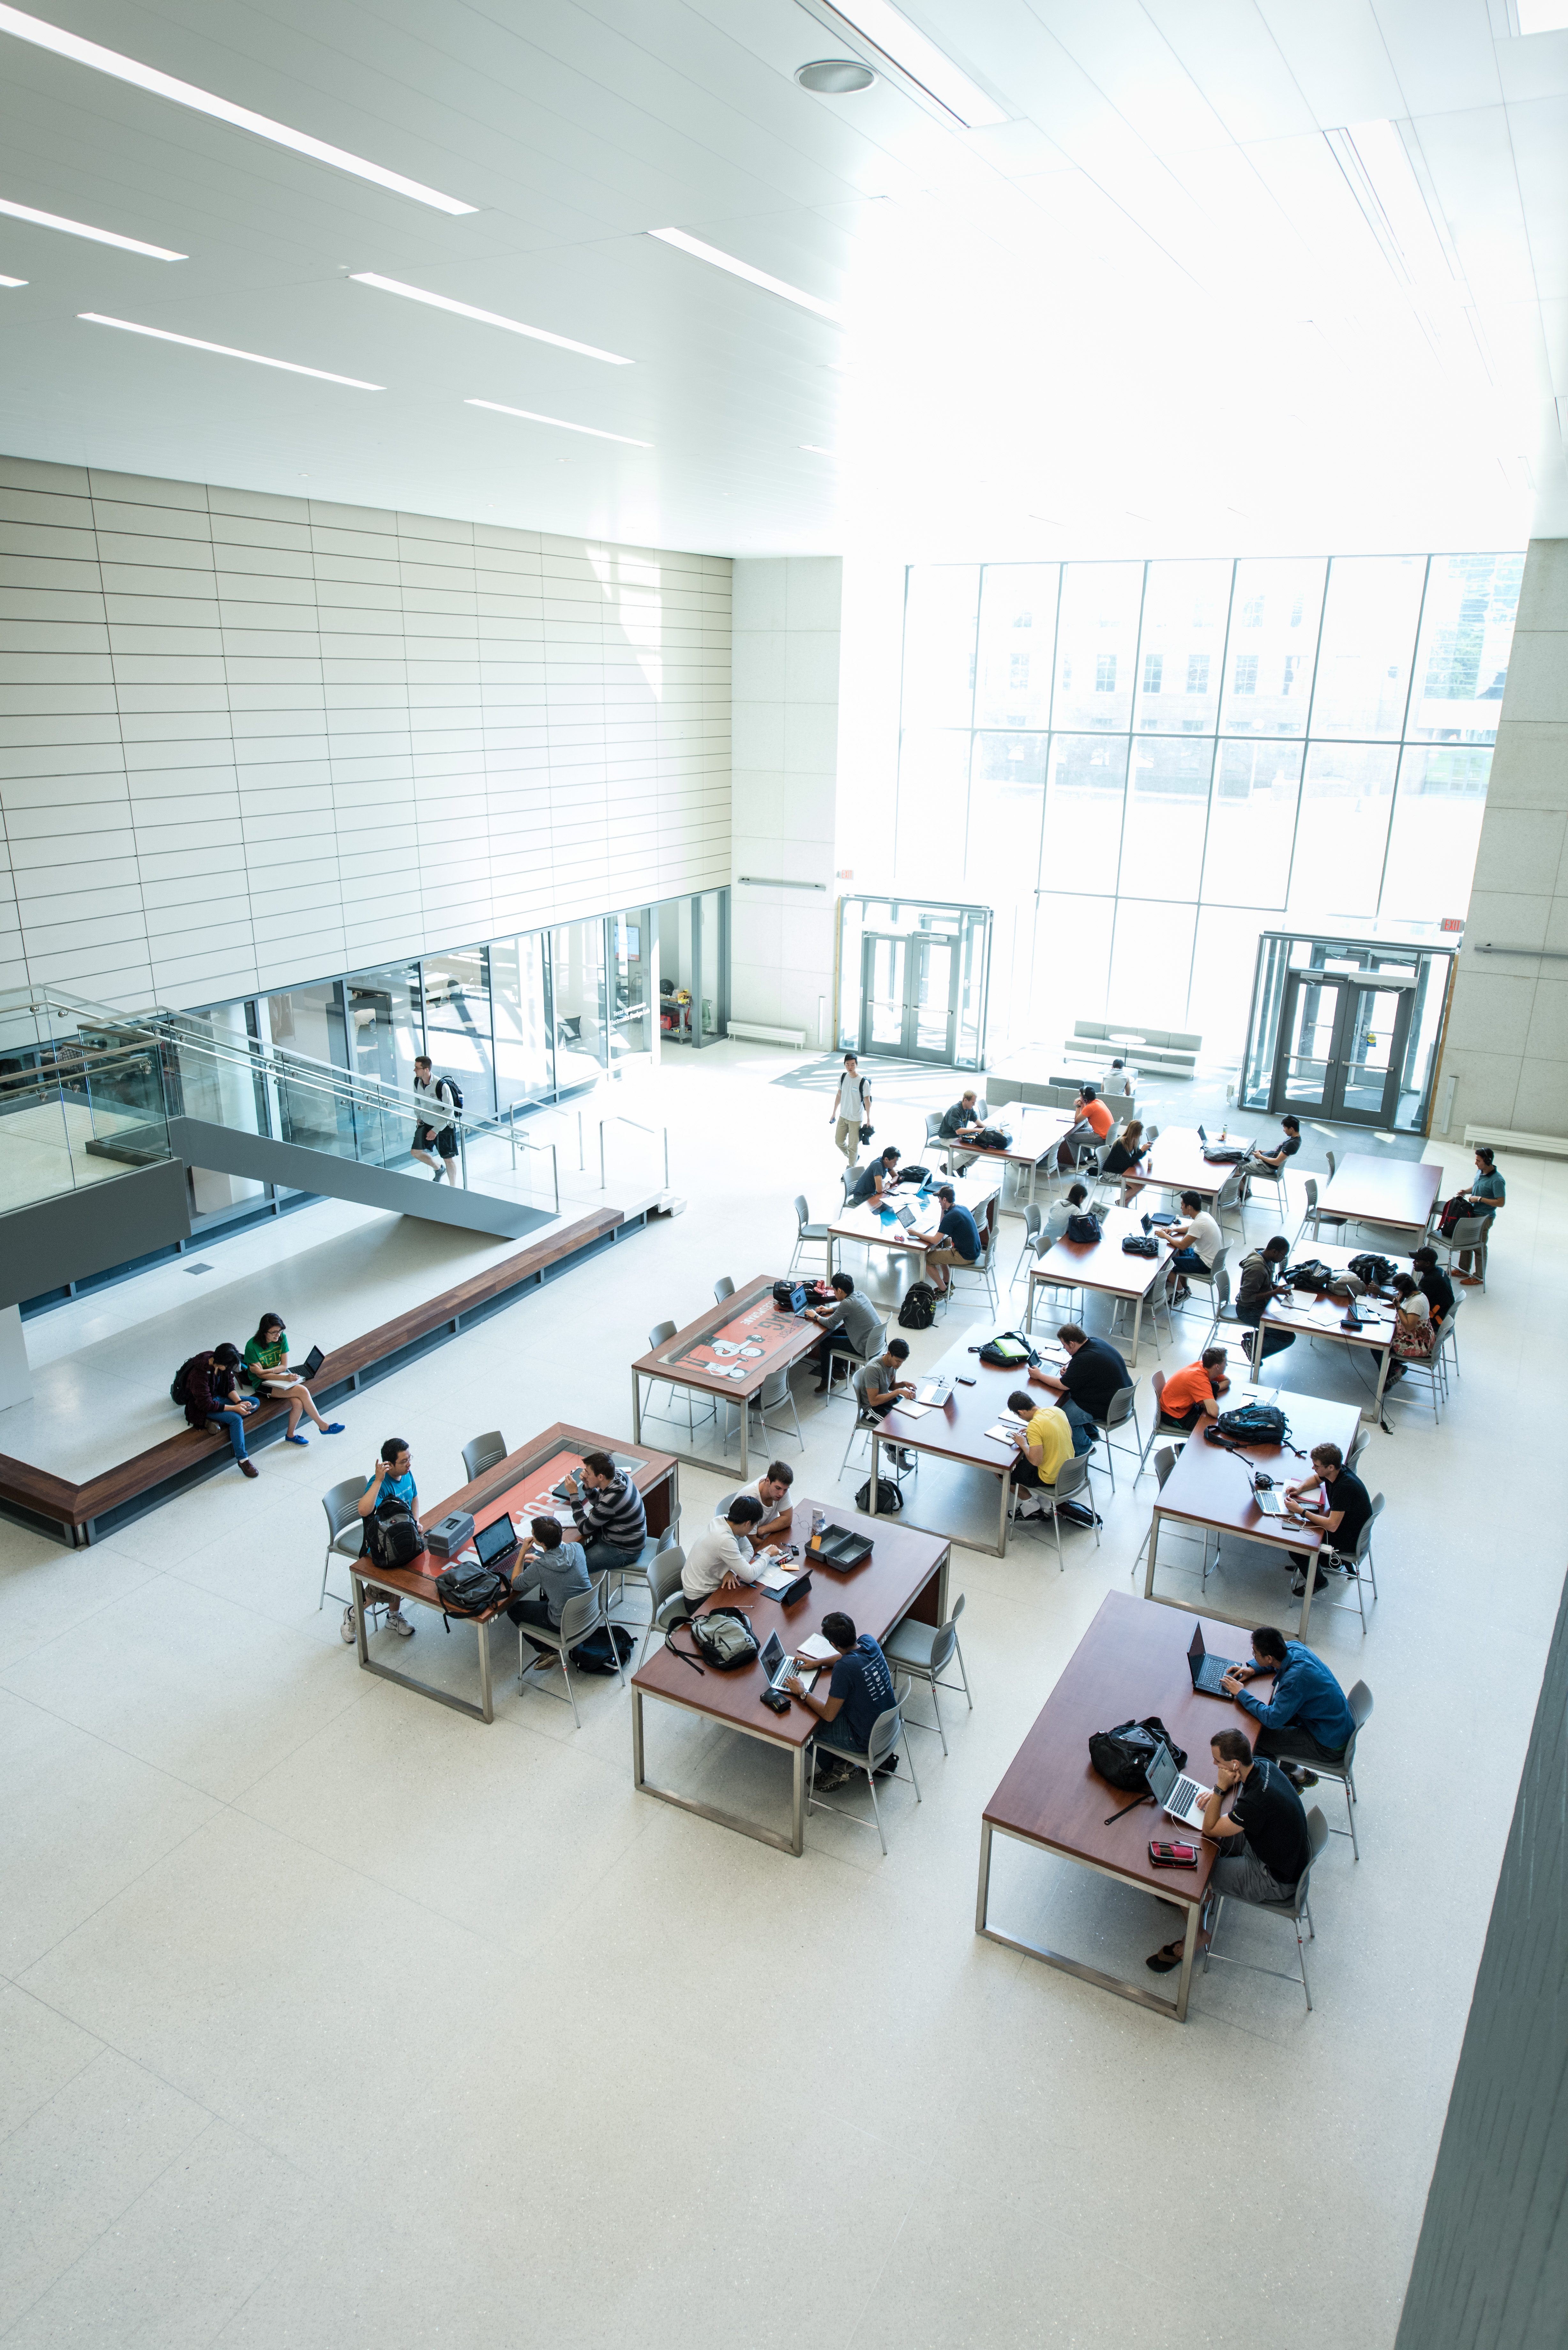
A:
(485, 317)
(202, 101)
(711, 252)
(912, 60)
(13, 281)
(226, 350)
(531, 416)
(80, 228)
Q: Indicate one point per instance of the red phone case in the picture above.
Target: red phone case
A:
(1172, 1855)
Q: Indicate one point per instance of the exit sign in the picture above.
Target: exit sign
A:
(1451, 922)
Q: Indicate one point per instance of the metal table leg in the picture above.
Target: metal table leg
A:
(1029, 1303)
(1138, 1327)
(875, 1469)
(636, 1409)
(485, 1699)
(1153, 1545)
(1189, 1953)
(982, 1890)
(743, 1404)
(798, 1803)
(1006, 1483)
(1258, 1350)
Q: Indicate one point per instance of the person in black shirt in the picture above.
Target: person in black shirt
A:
(1433, 1283)
(1289, 1143)
(1259, 1282)
(1090, 1377)
(1349, 1505)
(1264, 1845)
(878, 1178)
(1124, 1156)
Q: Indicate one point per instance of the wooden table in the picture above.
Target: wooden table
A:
(728, 1354)
(955, 1429)
(1397, 1193)
(906, 1574)
(1129, 1663)
(878, 1228)
(1104, 1266)
(1176, 1163)
(1319, 1315)
(1212, 1488)
(519, 1484)
(1034, 1133)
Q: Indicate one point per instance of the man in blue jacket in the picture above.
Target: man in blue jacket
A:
(1307, 1719)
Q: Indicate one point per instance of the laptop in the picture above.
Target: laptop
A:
(1271, 1500)
(1208, 1671)
(495, 1542)
(1179, 1797)
(312, 1363)
(908, 1217)
(778, 1664)
(935, 1391)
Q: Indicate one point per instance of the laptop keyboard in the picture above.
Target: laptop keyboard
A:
(1182, 1796)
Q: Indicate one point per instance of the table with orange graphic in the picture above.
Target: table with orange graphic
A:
(728, 1355)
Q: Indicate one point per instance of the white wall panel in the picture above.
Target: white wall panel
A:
(250, 741)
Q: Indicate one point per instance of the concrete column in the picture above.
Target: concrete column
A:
(15, 1375)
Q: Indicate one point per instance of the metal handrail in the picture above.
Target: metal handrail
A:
(618, 1117)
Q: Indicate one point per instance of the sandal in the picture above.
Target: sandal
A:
(1165, 1960)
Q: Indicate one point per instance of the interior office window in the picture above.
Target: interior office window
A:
(1006, 800)
(1085, 786)
(1153, 671)
(1167, 815)
(1435, 832)
(1278, 601)
(385, 1020)
(933, 796)
(1342, 832)
(1364, 660)
(578, 1000)
(1017, 628)
(520, 1005)
(1251, 824)
(1184, 612)
(458, 1034)
(1461, 661)
(940, 607)
(309, 1021)
(1096, 646)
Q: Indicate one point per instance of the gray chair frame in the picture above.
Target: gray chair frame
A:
(664, 1591)
(921, 1652)
(723, 1289)
(1343, 1773)
(1356, 1566)
(1290, 1912)
(587, 1612)
(482, 1452)
(656, 1338)
(775, 1390)
(1072, 1484)
(640, 1569)
(1164, 1463)
(341, 1504)
(1123, 1407)
(807, 1234)
(1032, 1221)
(1468, 1234)
(1172, 1429)
(885, 1732)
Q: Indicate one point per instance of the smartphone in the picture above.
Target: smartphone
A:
(964, 1381)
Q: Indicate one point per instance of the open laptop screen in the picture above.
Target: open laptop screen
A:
(491, 1540)
(773, 1655)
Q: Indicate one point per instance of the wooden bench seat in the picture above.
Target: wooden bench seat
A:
(79, 1513)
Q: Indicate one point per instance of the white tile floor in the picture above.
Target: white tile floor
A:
(330, 2017)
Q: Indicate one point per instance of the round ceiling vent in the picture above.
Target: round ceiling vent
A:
(835, 77)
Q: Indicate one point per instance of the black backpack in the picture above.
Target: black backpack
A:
(1139, 1244)
(1223, 1154)
(1008, 1351)
(919, 1310)
(1122, 1756)
(468, 1588)
(1250, 1423)
(888, 1498)
(1375, 1271)
(393, 1537)
(1081, 1226)
(595, 1655)
(177, 1384)
(1311, 1274)
(991, 1137)
(453, 1089)
(914, 1174)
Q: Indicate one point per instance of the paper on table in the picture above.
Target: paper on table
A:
(818, 1646)
(1004, 1430)
(776, 1577)
(909, 1410)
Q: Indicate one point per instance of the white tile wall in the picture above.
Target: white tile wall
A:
(249, 740)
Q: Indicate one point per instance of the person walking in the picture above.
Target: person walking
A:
(437, 1131)
(851, 1109)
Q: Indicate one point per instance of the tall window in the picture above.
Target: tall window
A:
(1142, 766)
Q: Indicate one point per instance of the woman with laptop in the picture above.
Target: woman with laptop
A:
(267, 1372)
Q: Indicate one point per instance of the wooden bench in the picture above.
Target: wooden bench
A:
(79, 1513)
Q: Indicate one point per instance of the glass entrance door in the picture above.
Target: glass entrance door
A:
(882, 961)
(909, 995)
(930, 1019)
(1342, 1048)
(1305, 1065)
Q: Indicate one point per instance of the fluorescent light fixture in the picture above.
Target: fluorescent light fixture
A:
(13, 281)
(1382, 178)
(202, 101)
(226, 350)
(701, 252)
(485, 317)
(913, 58)
(80, 228)
(1542, 15)
(532, 416)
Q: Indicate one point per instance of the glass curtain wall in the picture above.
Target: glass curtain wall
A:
(1142, 767)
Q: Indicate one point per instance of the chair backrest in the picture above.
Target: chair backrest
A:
(1364, 1539)
(885, 1732)
(1221, 1289)
(482, 1452)
(1312, 1190)
(723, 1288)
(1073, 1477)
(1363, 1437)
(1217, 1267)
(722, 1506)
(1230, 1193)
(1120, 1409)
(1158, 1384)
(775, 1389)
(1467, 1232)
(1151, 1134)
(801, 1208)
(1031, 1222)
(1359, 1701)
(342, 1504)
(1317, 1836)
(582, 1611)
(933, 1121)
(943, 1645)
(659, 1332)
(1164, 1462)
(1329, 1156)
(957, 1610)
(664, 1575)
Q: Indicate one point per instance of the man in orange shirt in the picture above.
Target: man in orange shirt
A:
(1092, 1123)
(1189, 1393)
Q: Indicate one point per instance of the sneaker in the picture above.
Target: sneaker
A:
(297, 1439)
(1298, 1585)
(885, 1770)
(436, 1177)
(832, 1774)
(1299, 1777)
(334, 1428)
(346, 1626)
(908, 1461)
(397, 1622)
(249, 1468)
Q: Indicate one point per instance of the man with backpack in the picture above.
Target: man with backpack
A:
(212, 1399)
(438, 1132)
(392, 1481)
(722, 1558)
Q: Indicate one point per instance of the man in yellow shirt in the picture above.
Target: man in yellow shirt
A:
(1044, 1443)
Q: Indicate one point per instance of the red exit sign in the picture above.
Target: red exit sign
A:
(1451, 922)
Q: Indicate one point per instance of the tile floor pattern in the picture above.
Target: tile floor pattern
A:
(330, 2017)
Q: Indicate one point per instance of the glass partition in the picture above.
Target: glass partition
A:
(520, 1008)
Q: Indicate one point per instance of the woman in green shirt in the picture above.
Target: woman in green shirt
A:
(267, 1370)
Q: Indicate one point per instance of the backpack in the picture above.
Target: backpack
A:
(471, 1589)
(1006, 1351)
(919, 1310)
(1311, 1274)
(888, 1498)
(1223, 1154)
(1454, 1210)
(1083, 1226)
(1250, 1423)
(595, 1654)
(1122, 1755)
(724, 1638)
(789, 1297)
(1139, 1244)
(177, 1384)
(914, 1174)
(1373, 1270)
(393, 1538)
(991, 1137)
(453, 1089)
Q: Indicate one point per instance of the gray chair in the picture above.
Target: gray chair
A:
(1468, 1234)
(1164, 1463)
(1290, 1913)
(1356, 1566)
(1197, 1280)
(1343, 1772)
(1031, 1237)
(482, 1452)
(588, 1612)
(807, 1235)
(1072, 1485)
(669, 1600)
(345, 1539)
(984, 1270)
(1315, 1217)
(774, 1393)
(723, 1289)
(933, 1125)
(1162, 1426)
(1122, 1407)
(1418, 1369)
(1358, 1444)
(842, 1353)
(656, 1336)
(886, 1731)
(640, 1569)
(921, 1652)
(1228, 1197)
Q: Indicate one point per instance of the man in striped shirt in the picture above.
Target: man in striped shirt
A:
(611, 1523)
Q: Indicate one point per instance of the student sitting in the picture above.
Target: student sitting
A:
(1414, 1332)
(1058, 1217)
(1091, 1125)
(1307, 1720)
(1092, 1375)
(961, 1123)
(1260, 1284)
(877, 1178)
(1283, 1151)
(877, 1386)
(959, 1241)
(267, 1370)
(1123, 1158)
(852, 1323)
(391, 1480)
(1189, 1396)
(212, 1400)
(556, 1569)
(721, 1557)
(860, 1689)
(1194, 1245)
(1264, 1845)
(1043, 1445)
(611, 1522)
(1348, 1509)
(772, 1489)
